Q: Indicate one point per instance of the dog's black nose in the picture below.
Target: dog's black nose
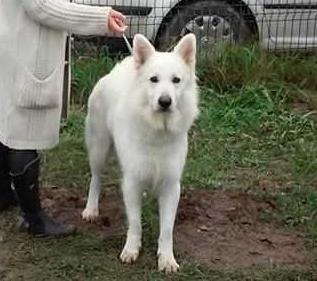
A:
(165, 102)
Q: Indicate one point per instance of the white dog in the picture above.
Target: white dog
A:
(145, 107)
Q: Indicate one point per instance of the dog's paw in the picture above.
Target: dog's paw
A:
(90, 214)
(167, 264)
(129, 256)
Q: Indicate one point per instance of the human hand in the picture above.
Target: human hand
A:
(116, 22)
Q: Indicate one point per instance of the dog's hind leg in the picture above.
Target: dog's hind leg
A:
(132, 199)
(98, 143)
(168, 202)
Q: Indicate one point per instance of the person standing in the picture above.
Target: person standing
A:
(32, 50)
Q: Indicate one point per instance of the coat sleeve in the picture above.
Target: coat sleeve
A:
(71, 17)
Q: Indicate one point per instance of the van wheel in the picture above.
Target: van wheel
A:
(210, 20)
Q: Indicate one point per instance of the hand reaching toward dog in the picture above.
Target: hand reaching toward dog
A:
(116, 22)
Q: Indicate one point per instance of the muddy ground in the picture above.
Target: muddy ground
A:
(214, 228)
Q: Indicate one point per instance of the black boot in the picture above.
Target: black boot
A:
(7, 198)
(24, 166)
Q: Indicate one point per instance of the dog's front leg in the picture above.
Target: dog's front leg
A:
(132, 199)
(91, 211)
(168, 202)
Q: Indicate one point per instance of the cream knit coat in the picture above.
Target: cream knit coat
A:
(32, 50)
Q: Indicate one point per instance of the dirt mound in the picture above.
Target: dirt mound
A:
(218, 229)
(230, 229)
(68, 205)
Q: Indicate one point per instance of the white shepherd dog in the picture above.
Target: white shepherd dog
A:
(145, 107)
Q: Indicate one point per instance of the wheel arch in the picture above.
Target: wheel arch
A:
(238, 5)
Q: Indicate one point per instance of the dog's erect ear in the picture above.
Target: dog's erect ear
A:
(142, 49)
(186, 48)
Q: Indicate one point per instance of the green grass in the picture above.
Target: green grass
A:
(224, 67)
(249, 128)
(86, 72)
(257, 124)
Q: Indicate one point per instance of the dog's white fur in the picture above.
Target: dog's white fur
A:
(151, 143)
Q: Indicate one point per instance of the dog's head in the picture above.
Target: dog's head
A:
(164, 77)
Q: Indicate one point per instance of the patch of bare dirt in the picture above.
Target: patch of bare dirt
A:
(67, 205)
(230, 229)
(218, 229)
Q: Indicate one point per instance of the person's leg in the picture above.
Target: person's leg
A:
(24, 170)
(7, 198)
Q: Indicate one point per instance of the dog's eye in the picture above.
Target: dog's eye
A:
(176, 80)
(154, 79)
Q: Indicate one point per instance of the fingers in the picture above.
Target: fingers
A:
(120, 23)
(116, 26)
(116, 22)
(117, 14)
